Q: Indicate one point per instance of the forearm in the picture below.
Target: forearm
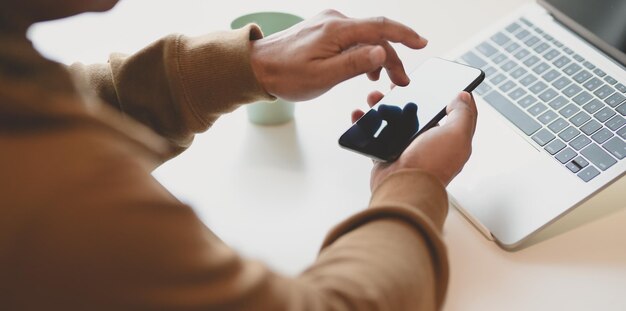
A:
(391, 256)
(179, 85)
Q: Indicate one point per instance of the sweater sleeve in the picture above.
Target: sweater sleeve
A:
(178, 85)
(123, 243)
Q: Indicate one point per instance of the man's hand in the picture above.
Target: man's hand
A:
(311, 57)
(441, 151)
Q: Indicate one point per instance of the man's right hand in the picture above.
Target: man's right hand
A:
(441, 151)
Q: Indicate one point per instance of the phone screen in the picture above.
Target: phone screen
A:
(390, 126)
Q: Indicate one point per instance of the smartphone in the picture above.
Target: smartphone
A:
(405, 112)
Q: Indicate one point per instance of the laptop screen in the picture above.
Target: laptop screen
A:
(601, 22)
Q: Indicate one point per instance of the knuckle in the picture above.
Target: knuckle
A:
(381, 20)
(331, 12)
(331, 26)
(352, 64)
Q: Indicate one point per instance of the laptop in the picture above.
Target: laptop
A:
(552, 115)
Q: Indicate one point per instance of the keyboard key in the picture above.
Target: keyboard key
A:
(551, 75)
(528, 80)
(602, 135)
(620, 87)
(473, 60)
(532, 40)
(518, 117)
(622, 109)
(508, 65)
(604, 114)
(593, 84)
(616, 146)
(525, 22)
(547, 117)
(486, 49)
(543, 137)
(580, 161)
(507, 86)
(582, 98)
(512, 27)
(561, 82)
(517, 93)
(582, 76)
(527, 101)
(600, 158)
(572, 69)
(588, 174)
(558, 102)
(580, 142)
(541, 67)
(610, 80)
(569, 111)
(561, 61)
(518, 72)
(531, 61)
(489, 71)
(558, 125)
(568, 51)
(572, 90)
(482, 88)
(615, 99)
(578, 58)
(589, 65)
(580, 118)
(500, 38)
(555, 146)
(599, 72)
(542, 47)
(548, 95)
(572, 167)
(552, 54)
(622, 132)
(593, 106)
(498, 58)
(537, 109)
(497, 79)
(566, 155)
(616, 122)
(538, 87)
(512, 47)
(569, 133)
(590, 127)
(523, 53)
(604, 91)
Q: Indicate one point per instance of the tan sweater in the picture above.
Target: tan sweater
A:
(84, 226)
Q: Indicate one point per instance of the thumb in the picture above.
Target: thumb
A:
(356, 61)
(462, 114)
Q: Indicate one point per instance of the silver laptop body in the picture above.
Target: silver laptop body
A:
(550, 131)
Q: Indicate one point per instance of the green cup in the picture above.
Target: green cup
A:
(278, 111)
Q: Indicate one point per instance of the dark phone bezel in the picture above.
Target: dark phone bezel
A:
(434, 121)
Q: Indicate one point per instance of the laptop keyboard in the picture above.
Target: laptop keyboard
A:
(568, 106)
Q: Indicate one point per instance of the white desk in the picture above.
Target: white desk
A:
(272, 193)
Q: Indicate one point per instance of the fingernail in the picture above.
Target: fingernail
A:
(464, 96)
(424, 40)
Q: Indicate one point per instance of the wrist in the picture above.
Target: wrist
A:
(259, 65)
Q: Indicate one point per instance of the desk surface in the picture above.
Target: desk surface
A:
(272, 193)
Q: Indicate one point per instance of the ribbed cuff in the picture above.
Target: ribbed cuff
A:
(215, 71)
(417, 189)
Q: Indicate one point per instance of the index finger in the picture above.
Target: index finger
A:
(377, 29)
